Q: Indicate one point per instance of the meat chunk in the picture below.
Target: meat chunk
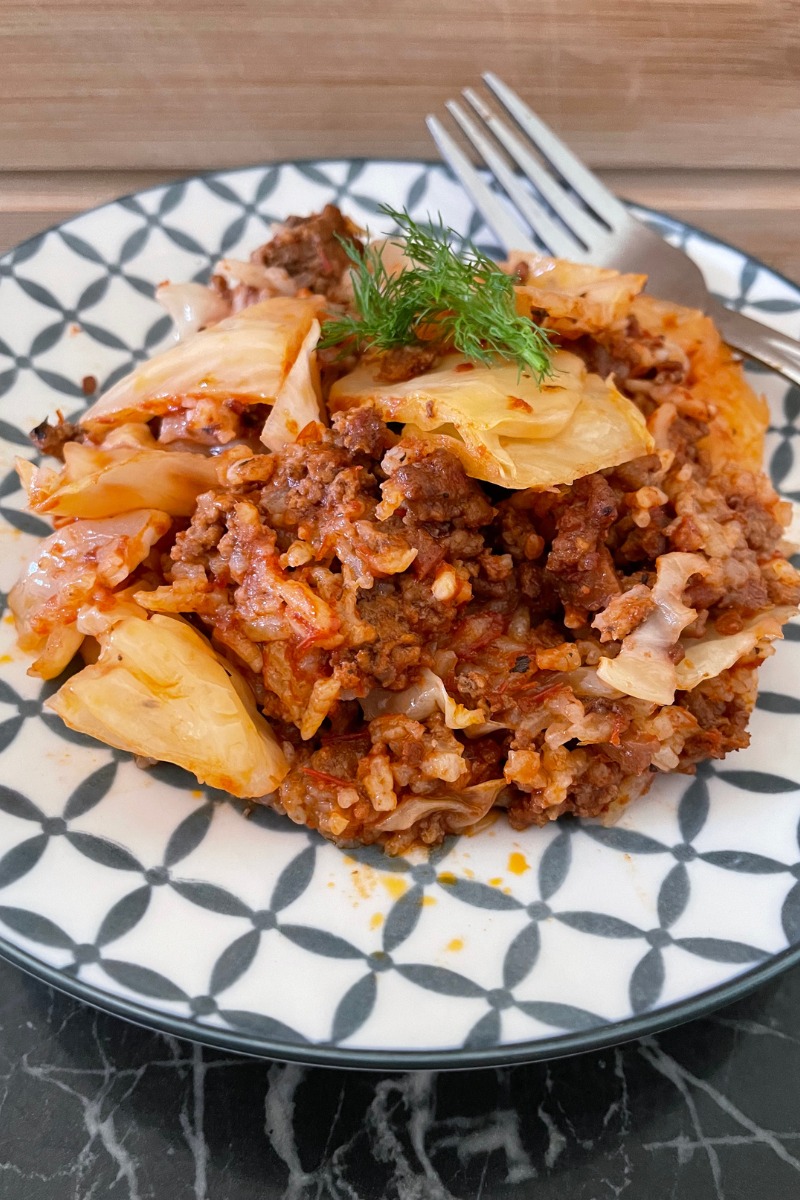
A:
(579, 562)
(623, 613)
(404, 362)
(309, 250)
(51, 439)
(361, 431)
(435, 487)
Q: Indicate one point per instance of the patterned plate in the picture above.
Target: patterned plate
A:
(159, 901)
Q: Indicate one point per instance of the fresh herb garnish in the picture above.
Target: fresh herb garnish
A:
(463, 300)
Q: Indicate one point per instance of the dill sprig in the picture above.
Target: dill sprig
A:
(460, 299)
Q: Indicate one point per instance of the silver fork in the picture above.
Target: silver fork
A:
(596, 228)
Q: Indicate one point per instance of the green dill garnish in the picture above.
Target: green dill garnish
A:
(462, 300)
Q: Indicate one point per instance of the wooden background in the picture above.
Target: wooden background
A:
(689, 105)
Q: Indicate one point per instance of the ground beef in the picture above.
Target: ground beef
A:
(405, 362)
(363, 432)
(309, 250)
(435, 488)
(51, 439)
(344, 565)
(579, 562)
(631, 356)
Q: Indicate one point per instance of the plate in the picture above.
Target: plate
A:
(158, 900)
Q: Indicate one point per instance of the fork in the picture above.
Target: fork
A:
(575, 216)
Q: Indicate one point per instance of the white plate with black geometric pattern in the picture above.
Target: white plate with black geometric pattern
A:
(157, 900)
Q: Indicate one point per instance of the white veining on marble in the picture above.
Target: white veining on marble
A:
(487, 1133)
(124, 1114)
(193, 1126)
(412, 1097)
(683, 1079)
(755, 1027)
(99, 1127)
(279, 1103)
(556, 1142)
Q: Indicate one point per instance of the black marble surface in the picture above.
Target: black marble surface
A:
(92, 1107)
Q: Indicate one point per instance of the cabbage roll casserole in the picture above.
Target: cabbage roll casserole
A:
(396, 539)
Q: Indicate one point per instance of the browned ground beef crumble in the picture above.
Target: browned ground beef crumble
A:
(531, 571)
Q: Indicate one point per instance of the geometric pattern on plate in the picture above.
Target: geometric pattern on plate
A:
(140, 888)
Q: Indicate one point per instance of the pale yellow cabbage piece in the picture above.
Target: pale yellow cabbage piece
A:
(604, 430)
(471, 397)
(506, 428)
(159, 690)
(643, 667)
(576, 297)
(78, 565)
(714, 653)
(299, 400)
(100, 482)
(244, 358)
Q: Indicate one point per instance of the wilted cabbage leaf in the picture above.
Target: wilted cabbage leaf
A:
(101, 482)
(192, 307)
(418, 701)
(503, 426)
(710, 655)
(80, 564)
(644, 667)
(159, 690)
(244, 358)
(472, 397)
(577, 298)
(459, 809)
(605, 429)
(299, 400)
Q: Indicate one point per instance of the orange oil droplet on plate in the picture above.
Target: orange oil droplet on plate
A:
(518, 863)
(395, 885)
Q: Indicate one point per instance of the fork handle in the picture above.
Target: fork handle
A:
(765, 345)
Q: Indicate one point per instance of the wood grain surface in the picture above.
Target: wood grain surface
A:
(692, 106)
(759, 211)
(196, 83)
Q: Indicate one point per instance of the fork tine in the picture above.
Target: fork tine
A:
(568, 165)
(493, 211)
(554, 237)
(575, 218)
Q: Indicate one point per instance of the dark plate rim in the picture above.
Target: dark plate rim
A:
(326, 1055)
(455, 1058)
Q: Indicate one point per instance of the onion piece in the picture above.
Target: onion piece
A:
(461, 809)
(421, 699)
